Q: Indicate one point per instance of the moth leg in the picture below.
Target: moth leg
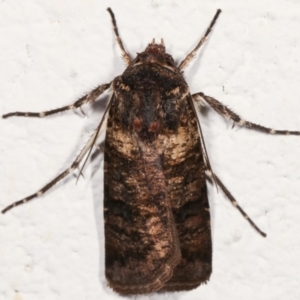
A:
(85, 151)
(125, 55)
(234, 202)
(90, 97)
(192, 54)
(228, 113)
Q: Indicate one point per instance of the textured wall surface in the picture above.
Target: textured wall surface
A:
(54, 52)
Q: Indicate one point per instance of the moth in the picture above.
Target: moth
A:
(156, 211)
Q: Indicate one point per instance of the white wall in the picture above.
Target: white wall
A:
(53, 52)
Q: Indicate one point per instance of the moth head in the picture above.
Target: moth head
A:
(155, 53)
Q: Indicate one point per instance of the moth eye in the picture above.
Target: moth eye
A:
(138, 58)
(170, 62)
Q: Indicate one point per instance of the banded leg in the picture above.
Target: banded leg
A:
(90, 97)
(234, 202)
(125, 55)
(85, 151)
(228, 113)
(192, 54)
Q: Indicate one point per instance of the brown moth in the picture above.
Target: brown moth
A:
(156, 211)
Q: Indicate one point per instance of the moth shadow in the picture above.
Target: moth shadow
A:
(204, 111)
(97, 182)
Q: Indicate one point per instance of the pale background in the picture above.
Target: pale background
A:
(53, 53)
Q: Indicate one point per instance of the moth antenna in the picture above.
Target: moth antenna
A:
(125, 55)
(124, 58)
(162, 42)
(192, 54)
(153, 41)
